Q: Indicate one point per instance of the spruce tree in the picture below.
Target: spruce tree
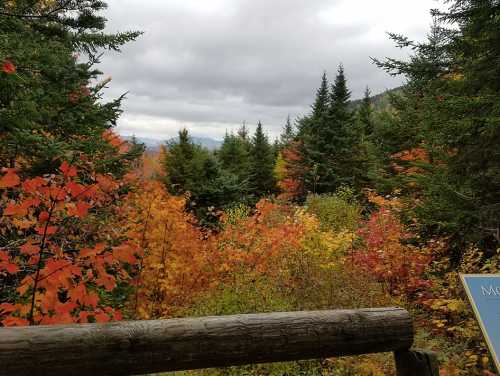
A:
(234, 156)
(450, 108)
(51, 106)
(309, 137)
(320, 106)
(365, 115)
(179, 163)
(287, 134)
(340, 137)
(243, 132)
(192, 169)
(261, 164)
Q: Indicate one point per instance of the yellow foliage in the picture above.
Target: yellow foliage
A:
(280, 169)
(326, 245)
(175, 248)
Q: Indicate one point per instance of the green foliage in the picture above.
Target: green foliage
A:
(451, 109)
(234, 156)
(287, 134)
(49, 108)
(321, 104)
(336, 212)
(243, 294)
(331, 140)
(261, 164)
(192, 170)
(365, 115)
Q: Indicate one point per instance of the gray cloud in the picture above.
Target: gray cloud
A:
(211, 65)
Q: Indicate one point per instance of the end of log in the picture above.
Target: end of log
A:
(416, 363)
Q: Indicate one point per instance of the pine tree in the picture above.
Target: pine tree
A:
(340, 137)
(288, 134)
(234, 156)
(192, 169)
(179, 163)
(50, 103)
(365, 115)
(320, 106)
(340, 94)
(243, 132)
(450, 109)
(309, 137)
(261, 164)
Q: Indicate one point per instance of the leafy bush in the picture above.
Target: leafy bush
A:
(336, 212)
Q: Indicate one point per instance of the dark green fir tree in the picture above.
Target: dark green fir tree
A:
(51, 108)
(261, 164)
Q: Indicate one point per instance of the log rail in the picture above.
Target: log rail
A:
(142, 347)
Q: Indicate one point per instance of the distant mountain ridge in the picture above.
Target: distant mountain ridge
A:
(153, 144)
(380, 101)
(206, 142)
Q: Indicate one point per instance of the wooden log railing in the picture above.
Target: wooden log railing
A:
(141, 347)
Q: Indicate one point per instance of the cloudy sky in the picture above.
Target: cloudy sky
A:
(210, 65)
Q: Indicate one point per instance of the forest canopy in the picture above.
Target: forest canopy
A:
(392, 194)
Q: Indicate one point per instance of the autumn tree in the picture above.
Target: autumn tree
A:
(61, 260)
(176, 250)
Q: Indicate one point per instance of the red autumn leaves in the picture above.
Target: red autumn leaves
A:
(10, 179)
(62, 258)
(8, 67)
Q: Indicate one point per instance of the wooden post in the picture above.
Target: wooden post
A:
(416, 363)
(140, 347)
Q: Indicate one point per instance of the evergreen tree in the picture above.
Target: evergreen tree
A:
(261, 164)
(450, 109)
(193, 169)
(320, 106)
(330, 143)
(234, 156)
(50, 105)
(341, 138)
(340, 94)
(365, 115)
(308, 135)
(243, 132)
(179, 163)
(288, 134)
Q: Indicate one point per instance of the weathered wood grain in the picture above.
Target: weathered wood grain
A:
(139, 347)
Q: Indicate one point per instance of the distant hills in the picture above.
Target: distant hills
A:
(380, 102)
(154, 144)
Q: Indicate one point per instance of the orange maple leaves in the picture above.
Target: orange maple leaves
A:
(10, 179)
(51, 273)
(175, 265)
(291, 171)
(386, 253)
